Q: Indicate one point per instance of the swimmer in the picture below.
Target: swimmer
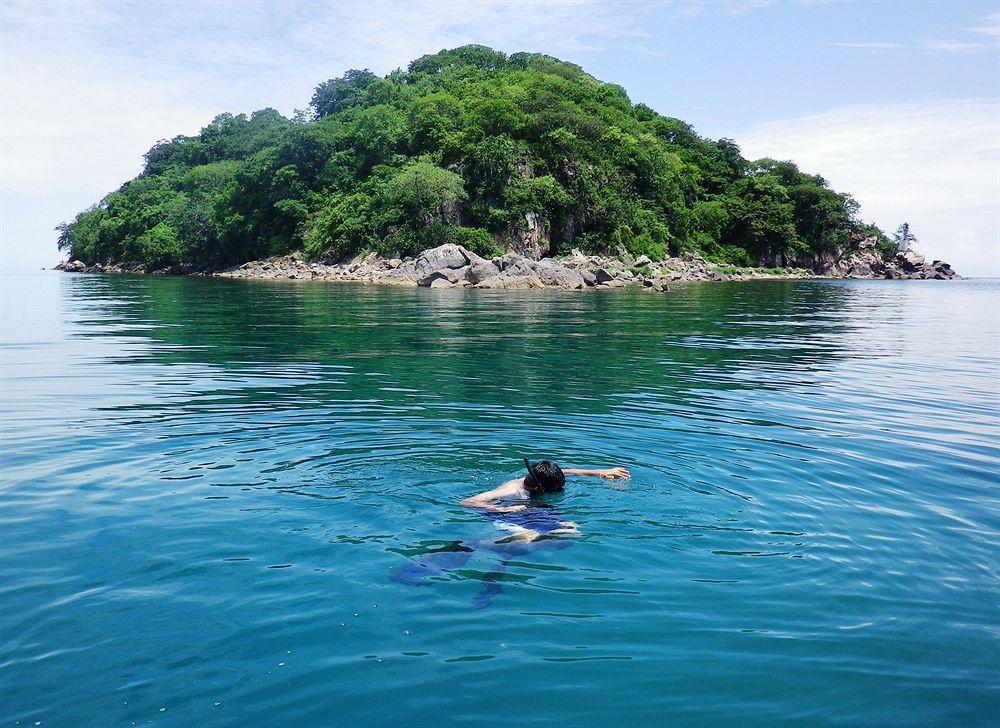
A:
(531, 526)
(537, 521)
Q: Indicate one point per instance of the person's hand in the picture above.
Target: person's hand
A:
(613, 473)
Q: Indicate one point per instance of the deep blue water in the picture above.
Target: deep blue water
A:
(207, 487)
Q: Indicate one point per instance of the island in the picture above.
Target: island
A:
(477, 168)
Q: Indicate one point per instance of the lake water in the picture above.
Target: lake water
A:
(208, 487)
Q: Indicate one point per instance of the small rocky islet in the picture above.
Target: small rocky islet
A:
(454, 266)
(474, 168)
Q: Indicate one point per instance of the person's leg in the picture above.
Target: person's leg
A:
(491, 586)
(419, 571)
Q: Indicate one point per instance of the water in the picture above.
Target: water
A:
(208, 485)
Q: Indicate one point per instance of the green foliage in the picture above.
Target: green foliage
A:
(341, 93)
(477, 240)
(159, 246)
(422, 194)
(343, 224)
(467, 145)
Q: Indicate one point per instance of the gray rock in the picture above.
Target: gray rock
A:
(480, 270)
(551, 273)
(860, 270)
(440, 283)
(602, 276)
(73, 266)
(589, 278)
(508, 281)
(451, 275)
(504, 261)
(520, 267)
(439, 258)
(643, 260)
(910, 260)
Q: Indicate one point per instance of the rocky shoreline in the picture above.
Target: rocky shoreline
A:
(452, 266)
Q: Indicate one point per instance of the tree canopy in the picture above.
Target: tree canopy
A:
(467, 145)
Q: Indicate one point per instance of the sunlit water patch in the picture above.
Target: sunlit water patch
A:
(235, 503)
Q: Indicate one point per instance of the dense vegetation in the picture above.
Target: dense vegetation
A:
(521, 152)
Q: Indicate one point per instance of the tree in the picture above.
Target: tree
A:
(338, 94)
(903, 238)
(762, 219)
(424, 194)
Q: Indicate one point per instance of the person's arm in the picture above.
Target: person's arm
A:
(609, 473)
(488, 499)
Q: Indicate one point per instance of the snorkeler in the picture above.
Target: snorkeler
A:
(529, 524)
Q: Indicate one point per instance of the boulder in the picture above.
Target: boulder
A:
(507, 260)
(403, 275)
(507, 281)
(73, 266)
(860, 269)
(519, 267)
(451, 275)
(480, 269)
(910, 260)
(442, 257)
(642, 260)
(551, 273)
(589, 278)
(601, 276)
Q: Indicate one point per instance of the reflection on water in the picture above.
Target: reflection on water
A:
(212, 492)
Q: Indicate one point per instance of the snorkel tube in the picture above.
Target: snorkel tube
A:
(532, 484)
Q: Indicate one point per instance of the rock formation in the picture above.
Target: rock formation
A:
(453, 266)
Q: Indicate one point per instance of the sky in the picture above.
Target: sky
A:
(896, 102)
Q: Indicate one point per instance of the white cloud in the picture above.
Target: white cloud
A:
(65, 128)
(742, 7)
(953, 46)
(934, 164)
(990, 26)
(876, 46)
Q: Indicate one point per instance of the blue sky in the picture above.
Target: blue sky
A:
(895, 102)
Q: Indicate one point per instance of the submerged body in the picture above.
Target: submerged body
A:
(516, 508)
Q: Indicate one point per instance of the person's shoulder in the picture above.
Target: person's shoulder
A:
(513, 486)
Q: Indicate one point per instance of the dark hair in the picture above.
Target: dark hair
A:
(544, 476)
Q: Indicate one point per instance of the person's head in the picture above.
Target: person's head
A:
(544, 477)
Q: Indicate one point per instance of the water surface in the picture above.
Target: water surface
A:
(207, 485)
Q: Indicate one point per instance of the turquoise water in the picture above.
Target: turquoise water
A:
(208, 486)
